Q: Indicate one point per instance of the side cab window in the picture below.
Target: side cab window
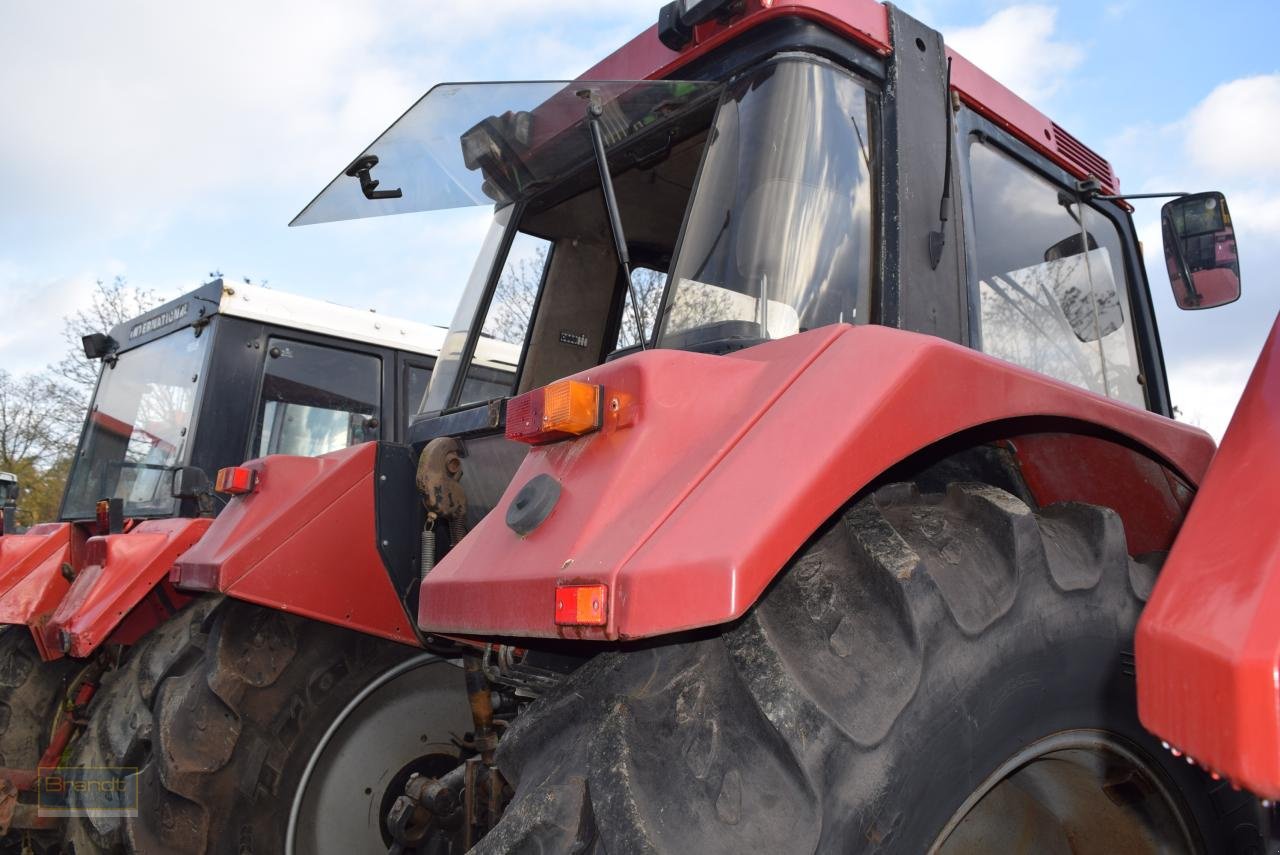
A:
(1052, 286)
(316, 399)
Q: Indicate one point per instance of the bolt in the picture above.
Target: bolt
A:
(382, 477)
(1164, 745)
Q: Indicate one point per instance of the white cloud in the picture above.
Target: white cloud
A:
(31, 311)
(1233, 132)
(1225, 142)
(1017, 46)
(126, 116)
(1206, 391)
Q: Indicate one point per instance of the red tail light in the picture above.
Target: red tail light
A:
(236, 481)
(565, 408)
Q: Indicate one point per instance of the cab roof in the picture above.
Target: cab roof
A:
(293, 311)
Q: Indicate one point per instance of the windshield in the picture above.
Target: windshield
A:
(138, 426)
(779, 235)
(466, 144)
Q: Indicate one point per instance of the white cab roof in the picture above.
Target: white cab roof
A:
(317, 316)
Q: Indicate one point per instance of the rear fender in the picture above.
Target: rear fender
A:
(122, 573)
(1208, 643)
(712, 471)
(306, 541)
(32, 577)
(21, 554)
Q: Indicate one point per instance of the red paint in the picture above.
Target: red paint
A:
(33, 587)
(303, 542)
(1208, 644)
(20, 554)
(864, 22)
(119, 574)
(731, 462)
(1062, 467)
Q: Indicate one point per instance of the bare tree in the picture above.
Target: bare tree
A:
(112, 303)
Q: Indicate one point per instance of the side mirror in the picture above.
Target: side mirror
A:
(189, 482)
(1200, 251)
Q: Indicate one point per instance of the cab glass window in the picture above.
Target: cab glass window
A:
(415, 379)
(491, 372)
(1052, 285)
(649, 285)
(316, 399)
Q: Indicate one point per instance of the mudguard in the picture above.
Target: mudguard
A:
(305, 541)
(120, 575)
(21, 554)
(1208, 643)
(32, 580)
(711, 471)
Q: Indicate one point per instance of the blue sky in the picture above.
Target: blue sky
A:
(163, 141)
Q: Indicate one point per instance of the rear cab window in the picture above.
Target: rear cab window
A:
(316, 399)
(1053, 291)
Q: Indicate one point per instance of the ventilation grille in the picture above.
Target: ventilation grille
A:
(1088, 160)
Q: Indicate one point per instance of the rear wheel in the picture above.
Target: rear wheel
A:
(276, 733)
(32, 693)
(947, 672)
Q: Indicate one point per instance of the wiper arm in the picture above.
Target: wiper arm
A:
(594, 112)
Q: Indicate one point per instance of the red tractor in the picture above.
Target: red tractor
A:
(792, 479)
(184, 390)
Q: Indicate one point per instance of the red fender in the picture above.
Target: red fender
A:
(304, 541)
(120, 573)
(21, 554)
(714, 470)
(1208, 644)
(32, 581)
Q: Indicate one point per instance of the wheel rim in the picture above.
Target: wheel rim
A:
(1080, 792)
(403, 721)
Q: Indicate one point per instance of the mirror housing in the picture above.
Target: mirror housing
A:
(1200, 251)
(190, 482)
(98, 345)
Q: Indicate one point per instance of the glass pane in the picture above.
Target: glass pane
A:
(649, 285)
(492, 372)
(468, 144)
(1053, 299)
(316, 399)
(416, 379)
(137, 429)
(779, 236)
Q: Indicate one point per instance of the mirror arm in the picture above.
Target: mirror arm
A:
(1091, 189)
(1126, 196)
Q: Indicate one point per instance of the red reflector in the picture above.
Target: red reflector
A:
(582, 605)
(236, 481)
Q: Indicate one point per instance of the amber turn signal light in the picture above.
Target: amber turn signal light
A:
(582, 605)
(565, 408)
(236, 481)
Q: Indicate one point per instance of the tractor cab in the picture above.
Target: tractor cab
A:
(230, 372)
(783, 184)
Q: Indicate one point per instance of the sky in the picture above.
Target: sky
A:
(164, 141)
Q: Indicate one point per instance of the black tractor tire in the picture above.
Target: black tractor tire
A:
(228, 722)
(31, 691)
(121, 725)
(916, 644)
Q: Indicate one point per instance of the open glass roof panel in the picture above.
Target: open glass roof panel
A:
(465, 144)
